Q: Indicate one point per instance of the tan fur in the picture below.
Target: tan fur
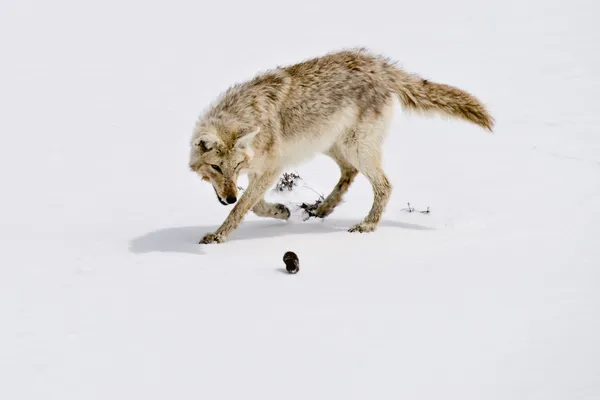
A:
(339, 105)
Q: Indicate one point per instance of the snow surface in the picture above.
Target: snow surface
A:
(105, 293)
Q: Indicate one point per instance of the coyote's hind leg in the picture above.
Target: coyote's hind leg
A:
(348, 173)
(363, 150)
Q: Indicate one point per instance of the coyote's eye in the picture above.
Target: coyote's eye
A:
(217, 168)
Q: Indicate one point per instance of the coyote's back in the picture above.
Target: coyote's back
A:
(358, 78)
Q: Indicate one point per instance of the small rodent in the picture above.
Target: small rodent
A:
(292, 264)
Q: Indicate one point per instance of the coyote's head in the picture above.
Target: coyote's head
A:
(218, 156)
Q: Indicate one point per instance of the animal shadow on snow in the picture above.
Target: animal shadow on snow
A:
(185, 239)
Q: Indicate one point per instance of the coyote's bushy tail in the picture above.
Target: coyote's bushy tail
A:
(421, 95)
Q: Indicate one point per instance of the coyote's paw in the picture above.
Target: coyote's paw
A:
(363, 227)
(323, 212)
(282, 212)
(212, 238)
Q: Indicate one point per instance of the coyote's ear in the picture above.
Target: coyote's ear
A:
(206, 141)
(245, 139)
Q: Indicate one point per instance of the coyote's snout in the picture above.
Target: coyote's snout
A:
(339, 105)
(218, 155)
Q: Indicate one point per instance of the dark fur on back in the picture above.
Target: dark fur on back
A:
(316, 88)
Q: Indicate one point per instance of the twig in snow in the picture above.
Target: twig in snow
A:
(412, 209)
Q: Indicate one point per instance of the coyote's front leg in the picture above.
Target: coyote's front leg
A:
(265, 209)
(256, 190)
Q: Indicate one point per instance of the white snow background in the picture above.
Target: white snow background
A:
(105, 293)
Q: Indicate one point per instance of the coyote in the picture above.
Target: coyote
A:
(338, 104)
